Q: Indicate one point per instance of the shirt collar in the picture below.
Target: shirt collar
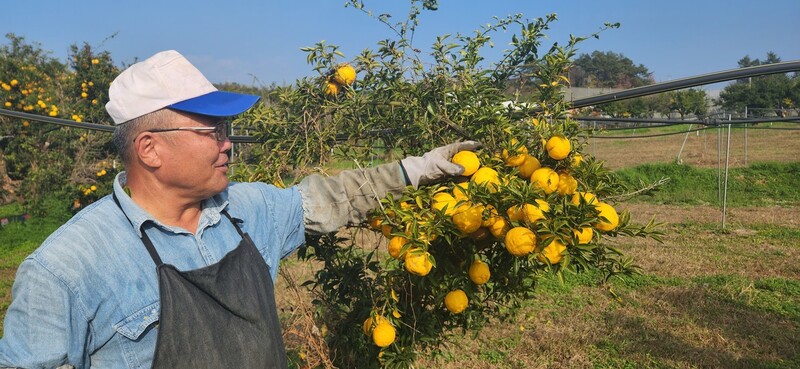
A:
(211, 213)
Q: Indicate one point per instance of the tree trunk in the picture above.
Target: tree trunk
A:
(8, 187)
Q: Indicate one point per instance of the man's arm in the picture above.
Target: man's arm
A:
(36, 324)
(332, 202)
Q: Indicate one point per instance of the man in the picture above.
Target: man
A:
(176, 267)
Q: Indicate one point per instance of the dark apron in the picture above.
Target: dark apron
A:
(219, 316)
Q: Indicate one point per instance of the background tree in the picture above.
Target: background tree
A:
(26, 85)
(608, 69)
(774, 94)
(640, 107)
(43, 162)
(688, 102)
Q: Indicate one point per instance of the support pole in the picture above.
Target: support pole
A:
(745, 137)
(594, 140)
(719, 163)
(727, 165)
(678, 159)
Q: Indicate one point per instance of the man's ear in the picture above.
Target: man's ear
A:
(146, 150)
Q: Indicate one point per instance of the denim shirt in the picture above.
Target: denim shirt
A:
(89, 295)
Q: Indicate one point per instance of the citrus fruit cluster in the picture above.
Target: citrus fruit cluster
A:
(343, 75)
(515, 213)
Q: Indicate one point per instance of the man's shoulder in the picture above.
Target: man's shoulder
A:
(250, 191)
(100, 217)
(93, 230)
(261, 201)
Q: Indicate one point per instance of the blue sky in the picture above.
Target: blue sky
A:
(259, 41)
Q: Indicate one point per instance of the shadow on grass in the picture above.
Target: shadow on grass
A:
(700, 328)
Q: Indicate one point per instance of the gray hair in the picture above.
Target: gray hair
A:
(126, 132)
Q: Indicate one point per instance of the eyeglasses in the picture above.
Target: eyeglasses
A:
(220, 131)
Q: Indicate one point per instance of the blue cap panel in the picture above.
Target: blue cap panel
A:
(217, 104)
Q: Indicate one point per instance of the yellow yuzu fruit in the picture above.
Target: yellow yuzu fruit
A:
(331, 89)
(491, 213)
(584, 235)
(345, 75)
(612, 218)
(542, 204)
(532, 213)
(552, 252)
(460, 191)
(418, 263)
(468, 218)
(443, 201)
(386, 230)
(577, 159)
(567, 185)
(558, 147)
(371, 321)
(456, 301)
(586, 197)
(479, 272)
(514, 160)
(395, 246)
(528, 166)
(427, 238)
(520, 241)
(516, 155)
(488, 177)
(383, 334)
(516, 213)
(499, 227)
(467, 159)
(375, 222)
(546, 179)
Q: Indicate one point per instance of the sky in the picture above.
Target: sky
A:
(258, 42)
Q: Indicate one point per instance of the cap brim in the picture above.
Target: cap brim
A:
(217, 104)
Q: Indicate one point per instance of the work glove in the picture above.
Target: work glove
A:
(435, 165)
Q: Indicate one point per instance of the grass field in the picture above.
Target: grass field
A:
(708, 297)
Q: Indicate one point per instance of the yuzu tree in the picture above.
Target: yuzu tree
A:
(458, 253)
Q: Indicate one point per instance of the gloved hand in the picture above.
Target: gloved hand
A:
(435, 164)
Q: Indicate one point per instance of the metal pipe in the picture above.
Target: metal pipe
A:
(727, 165)
(704, 79)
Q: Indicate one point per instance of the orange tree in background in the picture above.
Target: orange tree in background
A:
(41, 162)
(456, 254)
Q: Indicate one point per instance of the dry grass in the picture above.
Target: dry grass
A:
(698, 306)
(702, 149)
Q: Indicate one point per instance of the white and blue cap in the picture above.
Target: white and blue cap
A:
(168, 80)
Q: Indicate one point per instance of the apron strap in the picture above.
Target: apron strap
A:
(235, 224)
(150, 248)
(145, 239)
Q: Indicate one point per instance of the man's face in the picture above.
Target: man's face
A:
(194, 162)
